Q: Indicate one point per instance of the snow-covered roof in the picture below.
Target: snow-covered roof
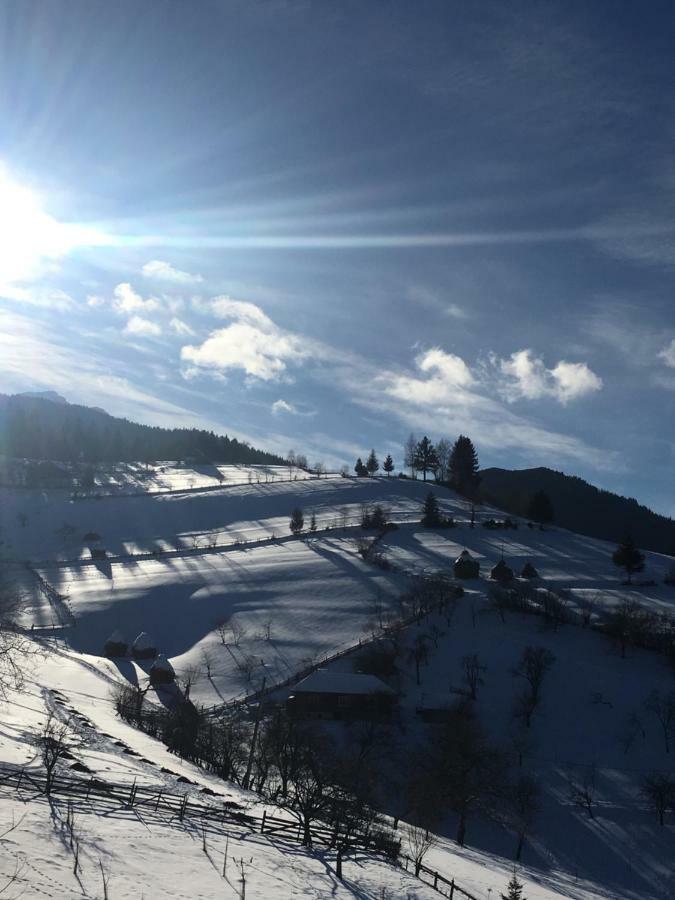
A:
(323, 681)
(161, 662)
(144, 642)
(464, 556)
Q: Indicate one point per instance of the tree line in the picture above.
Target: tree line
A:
(38, 429)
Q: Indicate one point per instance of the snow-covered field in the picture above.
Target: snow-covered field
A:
(296, 599)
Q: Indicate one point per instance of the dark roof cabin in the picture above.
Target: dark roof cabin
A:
(116, 645)
(529, 571)
(162, 672)
(143, 647)
(341, 695)
(466, 566)
(501, 572)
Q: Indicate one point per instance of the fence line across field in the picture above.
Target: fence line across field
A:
(182, 806)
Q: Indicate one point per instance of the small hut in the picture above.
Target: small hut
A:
(501, 572)
(162, 672)
(116, 645)
(466, 566)
(529, 571)
(143, 647)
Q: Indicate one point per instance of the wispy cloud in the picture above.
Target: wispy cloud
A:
(159, 270)
(668, 354)
(181, 328)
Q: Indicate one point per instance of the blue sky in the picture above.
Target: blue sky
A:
(323, 225)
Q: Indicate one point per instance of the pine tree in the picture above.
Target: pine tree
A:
(297, 522)
(431, 516)
(360, 469)
(540, 508)
(425, 459)
(464, 466)
(372, 465)
(515, 890)
(628, 557)
(388, 465)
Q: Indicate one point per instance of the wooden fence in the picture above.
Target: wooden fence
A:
(155, 799)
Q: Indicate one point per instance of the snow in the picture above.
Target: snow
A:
(295, 601)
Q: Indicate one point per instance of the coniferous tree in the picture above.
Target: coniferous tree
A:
(431, 515)
(628, 557)
(463, 466)
(372, 465)
(515, 889)
(425, 459)
(360, 469)
(540, 508)
(388, 465)
(297, 522)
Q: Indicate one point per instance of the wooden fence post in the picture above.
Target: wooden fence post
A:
(452, 889)
(262, 824)
(435, 881)
(18, 784)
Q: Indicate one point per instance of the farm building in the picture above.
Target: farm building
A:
(341, 695)
(116, 645)
(161, 671)
(501, 572)
(144, 647)
(466, 566)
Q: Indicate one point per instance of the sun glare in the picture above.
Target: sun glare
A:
(29, 236)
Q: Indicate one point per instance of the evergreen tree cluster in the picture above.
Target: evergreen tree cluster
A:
(39, 429)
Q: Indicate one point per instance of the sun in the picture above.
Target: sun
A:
(29, 237)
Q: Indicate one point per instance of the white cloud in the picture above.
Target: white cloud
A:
(128, 301)
(225, 307)
(281, 406)
(94, 300)
(142, 327)
(668, 354)
(45, 298)
(527, 377)
(164, 271)
(252, 343)
(180, 327)
(448, 374)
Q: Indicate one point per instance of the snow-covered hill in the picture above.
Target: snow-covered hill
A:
(174, 569)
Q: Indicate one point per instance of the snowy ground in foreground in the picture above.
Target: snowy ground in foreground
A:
(154, 857)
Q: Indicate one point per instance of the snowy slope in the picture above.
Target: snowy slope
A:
(295, 599)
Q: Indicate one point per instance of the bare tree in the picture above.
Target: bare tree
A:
(419, 654)
(473, 673)
(231, 632)
(663, 707)
(524, 804)
(533, 665)
(55, 742)
(419, 841)
(189, 678)
(632, 730)
(16, 649)
(659, 791)
(583, 789)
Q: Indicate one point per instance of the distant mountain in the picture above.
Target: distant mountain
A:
(45, 395)
(44, 426)
(579, 506)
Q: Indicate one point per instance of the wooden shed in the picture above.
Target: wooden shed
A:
(341, 695)
(161, 671)
(116, 645)
(144, 647)
(501, 572)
